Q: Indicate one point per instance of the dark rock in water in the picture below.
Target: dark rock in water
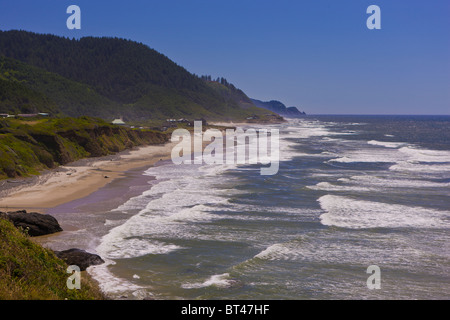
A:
(37, 224)
(79, 258)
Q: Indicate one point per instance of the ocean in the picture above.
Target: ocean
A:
(351, 192)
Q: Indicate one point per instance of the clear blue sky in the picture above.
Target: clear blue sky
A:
(317, 55)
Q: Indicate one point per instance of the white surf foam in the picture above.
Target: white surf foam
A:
(364, 156)
(219, 280)
(364, 153)
(327, 186)
(122, 248)
(393, 182)
(298, 130)
(330, 248)
(113, 285)
(423, 160)
(307, 129)
(403, 158)
(370, 183)
(278, 251)
(421, 167)
(182, 197)
(426, 155)
(387, 144)
(358, 214)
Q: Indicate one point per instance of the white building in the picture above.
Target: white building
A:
(119, 122)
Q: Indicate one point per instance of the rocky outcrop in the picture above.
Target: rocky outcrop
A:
(79, 258)
(35, 223)
(279, 108)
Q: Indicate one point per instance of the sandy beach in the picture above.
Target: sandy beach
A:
(77, 180)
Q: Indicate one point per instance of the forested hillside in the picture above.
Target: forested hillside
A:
(29, 89)
(106, 77)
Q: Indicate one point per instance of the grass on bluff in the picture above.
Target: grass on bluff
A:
(30, 272)
(30, 146)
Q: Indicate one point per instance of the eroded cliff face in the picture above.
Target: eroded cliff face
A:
(25, 150)
(105, 140)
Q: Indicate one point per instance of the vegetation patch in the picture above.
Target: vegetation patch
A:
(28, 147)
(30, 272)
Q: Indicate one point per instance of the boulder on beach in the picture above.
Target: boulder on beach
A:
(79, 258)
(37, 224)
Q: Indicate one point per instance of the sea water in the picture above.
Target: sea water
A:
(351, 192)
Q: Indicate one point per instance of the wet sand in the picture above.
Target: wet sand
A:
(77, 180)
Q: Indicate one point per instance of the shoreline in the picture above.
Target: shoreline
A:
(78, 194)
(77, 180)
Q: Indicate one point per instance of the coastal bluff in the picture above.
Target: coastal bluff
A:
(35, 224)
(28, 271)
